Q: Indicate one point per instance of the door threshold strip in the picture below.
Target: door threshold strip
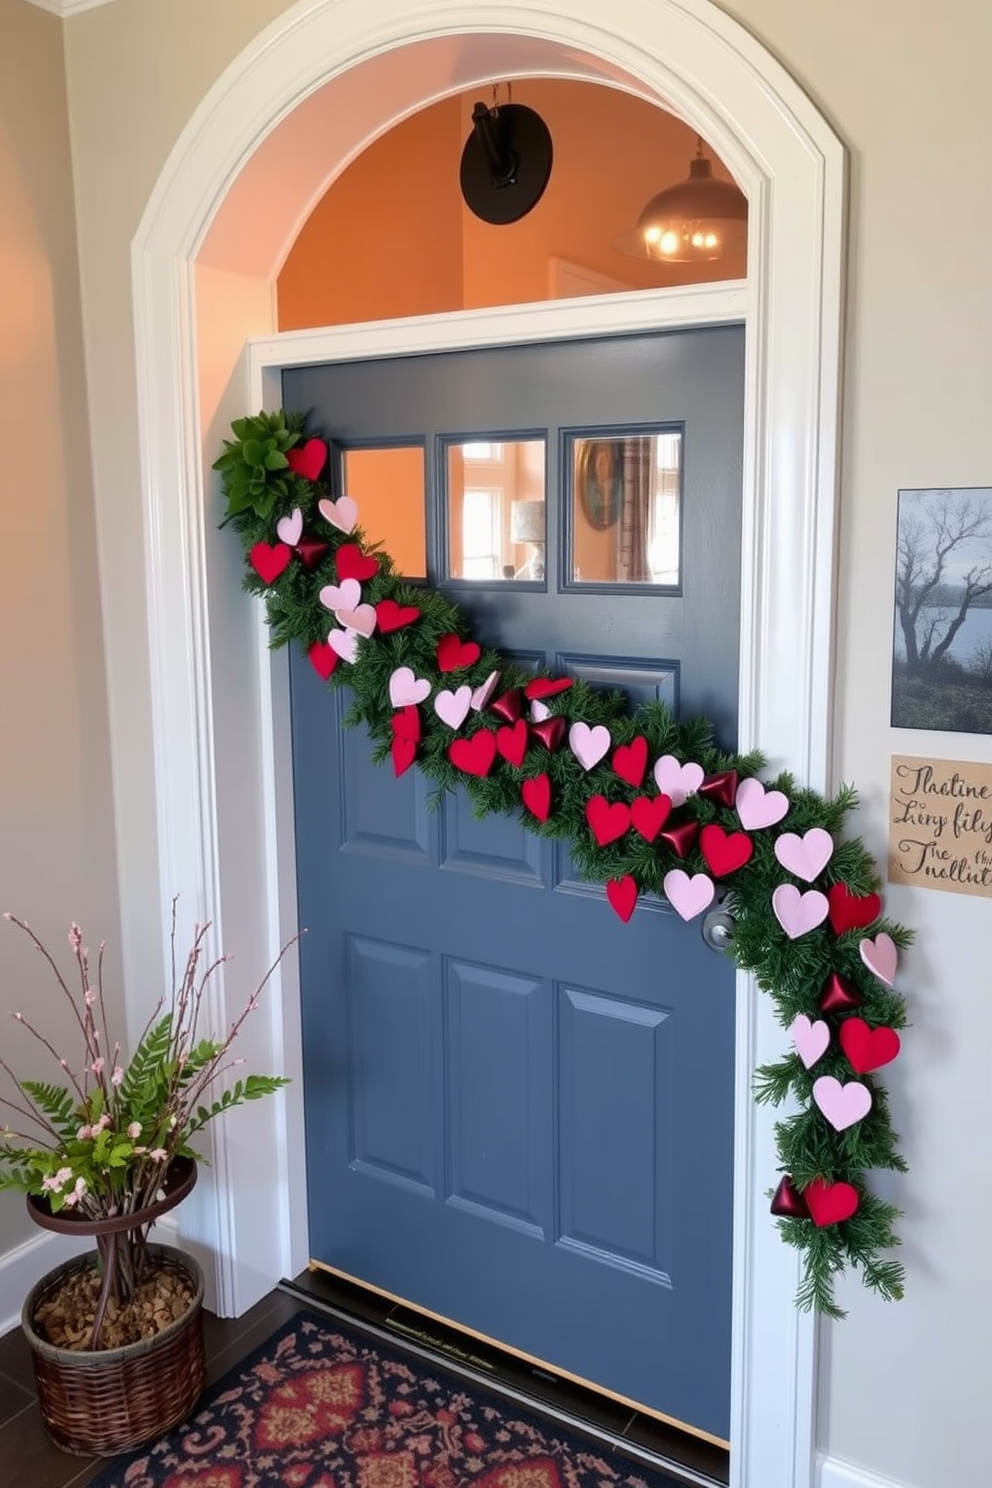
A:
(639, 1437)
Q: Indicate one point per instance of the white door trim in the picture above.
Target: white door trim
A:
(223, 791)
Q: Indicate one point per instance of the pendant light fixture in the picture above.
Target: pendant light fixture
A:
(700, 219)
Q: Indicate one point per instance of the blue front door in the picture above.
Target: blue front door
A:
(519, 1110)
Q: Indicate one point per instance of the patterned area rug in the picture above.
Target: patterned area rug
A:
(320, 1406)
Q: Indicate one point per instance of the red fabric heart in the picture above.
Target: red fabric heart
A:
(630, 761)
(308, 459)
(608, 822)
(390, 616)
(406, 723)
(545, 687)
(322, 659)
(680, 837)
(724, 852)
(508, 706)
(475, 756)
(536, 795)
(851, 911)
(269, 562)
(867, 1048)
(838, 996)
(788, 1202)
(354, 564)
(648, 814)
(720, 788)
(404, 752)
(512, 742)
(310, 550)
(829, 1203)
(453, 653)
(622, 894)
(550, 731)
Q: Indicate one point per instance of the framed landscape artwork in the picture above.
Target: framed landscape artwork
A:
(942, 646)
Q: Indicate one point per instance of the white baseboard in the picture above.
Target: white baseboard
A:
(833, 1472)
(26, 1264)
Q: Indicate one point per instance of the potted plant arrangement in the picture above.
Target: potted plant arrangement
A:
(117, 1334)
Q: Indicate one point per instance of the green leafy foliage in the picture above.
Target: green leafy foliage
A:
(254, 464)
(791, 972)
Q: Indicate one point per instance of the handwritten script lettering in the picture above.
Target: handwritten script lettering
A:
(940, 825)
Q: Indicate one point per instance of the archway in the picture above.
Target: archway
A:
(317, 86)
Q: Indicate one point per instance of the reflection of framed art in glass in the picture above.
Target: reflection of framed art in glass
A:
(599, 480)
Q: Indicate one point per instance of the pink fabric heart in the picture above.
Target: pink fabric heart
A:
(805, 856)
(881, 957)
(799, 913)
(589, 745)
(810, 1039)
(757, 807)
(688, 896)
(345, 643)
(539, 711)
(842, 1105)
(405, 688)
(290, 529)
(676, 781)
(362, 618)
(452, 707)
(481, 695)
(342, 514)
(343, 596)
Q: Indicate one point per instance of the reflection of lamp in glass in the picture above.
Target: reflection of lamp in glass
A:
(527, 526)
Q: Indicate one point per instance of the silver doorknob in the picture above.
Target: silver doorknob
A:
(718, 929)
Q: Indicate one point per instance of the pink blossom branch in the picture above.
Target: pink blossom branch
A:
(63, 1064)
(22, 925)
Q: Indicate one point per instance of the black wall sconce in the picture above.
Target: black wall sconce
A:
(506, 162)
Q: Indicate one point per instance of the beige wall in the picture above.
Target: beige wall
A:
(905, 84)
(56, 816)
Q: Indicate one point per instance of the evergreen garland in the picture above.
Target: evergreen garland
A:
(261, 472)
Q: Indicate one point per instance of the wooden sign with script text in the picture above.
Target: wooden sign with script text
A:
(940, 825)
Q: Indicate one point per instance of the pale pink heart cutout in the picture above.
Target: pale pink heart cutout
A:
(811, 1039)
(345, 643)
(343, 596)
(362, 618)
(688, 896)
(757, 807)
(589, 745)
(539, 711)
(881, 957)
(290, 529)
(799, 913)
(805, 856)
(342, 514)
(405, 689)
(481, 695)
(452, 707)
(676, 781)
(842, 1105)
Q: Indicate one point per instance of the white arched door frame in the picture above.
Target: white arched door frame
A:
(341, 72)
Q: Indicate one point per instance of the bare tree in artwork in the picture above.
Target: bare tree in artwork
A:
(943, 568)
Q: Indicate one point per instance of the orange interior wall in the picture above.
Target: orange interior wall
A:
(385, 240)
(389, 487)
(392, 236)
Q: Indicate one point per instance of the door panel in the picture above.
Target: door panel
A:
(518, 1109)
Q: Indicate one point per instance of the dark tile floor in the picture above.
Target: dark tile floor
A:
(28, 1457)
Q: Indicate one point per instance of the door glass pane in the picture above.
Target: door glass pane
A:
(388, 485)
(496, 527)
(626, 494)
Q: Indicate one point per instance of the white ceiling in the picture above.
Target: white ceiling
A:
(68, 7)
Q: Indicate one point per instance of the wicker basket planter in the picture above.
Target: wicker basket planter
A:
(112, 1400)
(105, 1401)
